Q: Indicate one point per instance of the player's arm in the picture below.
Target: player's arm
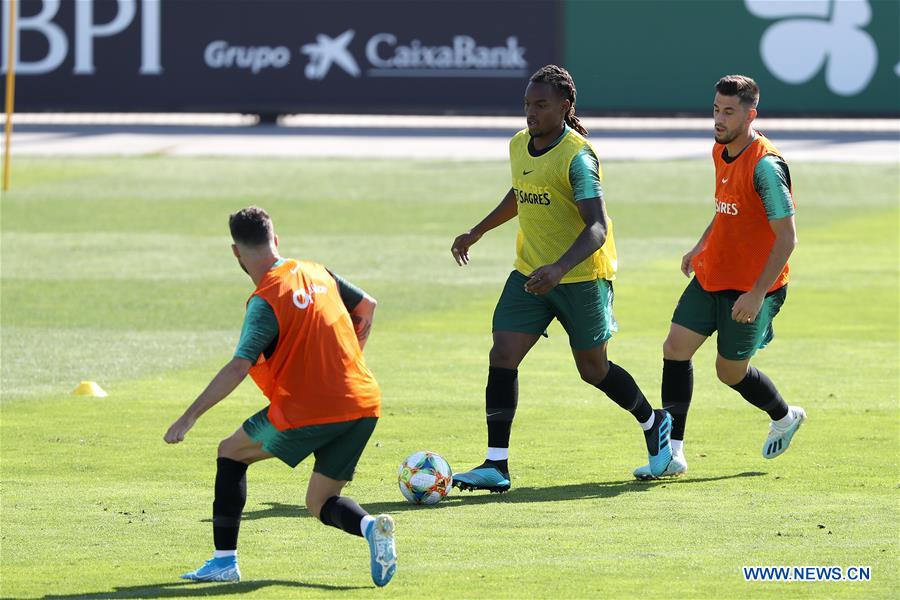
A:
(688, 258)
(228, 378)
(591, 238)
(584, 177)
(258, 334)
(506, 210)
(686, 267)
(362, 316)
(360, 305)
(772, 181)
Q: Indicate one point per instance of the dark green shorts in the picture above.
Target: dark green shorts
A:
(705, 312)
(584, 309)
(337, 446)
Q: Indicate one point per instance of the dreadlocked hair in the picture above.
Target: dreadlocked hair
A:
(562, 82)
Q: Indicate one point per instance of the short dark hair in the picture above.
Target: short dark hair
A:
(251, 226)
(741, 86)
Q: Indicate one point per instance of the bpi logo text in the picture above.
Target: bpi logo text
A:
(86, 30)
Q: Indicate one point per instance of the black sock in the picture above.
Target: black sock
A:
(343, 513)
(501, 398)
(677, 389)
(231, 495)
(758, 390)
(622, 389)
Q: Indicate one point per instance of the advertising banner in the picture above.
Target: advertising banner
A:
(280, 56)
(839, 57)
(810, 57)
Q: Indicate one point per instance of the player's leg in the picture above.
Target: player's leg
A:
(235, 454)
(340, 447)
(693, 321)
(677, 388)
(320, 491)
(585, 310)
(336, 461)
(501, 400)
(611, 379)
(618, 384)
(502, 390)
(519, 319)
(737, 343)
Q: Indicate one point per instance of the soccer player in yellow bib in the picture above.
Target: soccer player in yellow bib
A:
(564, 267)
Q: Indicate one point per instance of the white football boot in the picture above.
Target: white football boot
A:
(779, 438)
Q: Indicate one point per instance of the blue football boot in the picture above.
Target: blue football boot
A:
(676, 468)
(658, 447)
(382, 550)
(484, 477)
(224, 568)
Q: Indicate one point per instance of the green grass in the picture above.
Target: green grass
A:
(119, 270)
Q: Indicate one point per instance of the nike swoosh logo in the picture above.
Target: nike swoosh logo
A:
(724, 180)
(527, 172)
(493, 413)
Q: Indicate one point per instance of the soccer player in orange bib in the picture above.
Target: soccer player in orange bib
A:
(741, 275)
(302, 342)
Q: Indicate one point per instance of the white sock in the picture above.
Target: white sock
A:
(677, 447)
(221, 553)
(498, 454)
(786, 419)
(364, 523)
(648, 424)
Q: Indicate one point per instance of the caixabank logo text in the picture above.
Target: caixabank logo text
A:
(383, 54)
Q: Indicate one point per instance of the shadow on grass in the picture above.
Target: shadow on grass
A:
(187, 589)
(274, 510)
(559, 493)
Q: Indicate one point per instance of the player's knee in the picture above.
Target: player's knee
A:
(235, 450)
(316, 499)
(503, 356)
(593, 373)
(730, 374)
(314, 504)
(672, 350)
(225, 449)
(668, 349)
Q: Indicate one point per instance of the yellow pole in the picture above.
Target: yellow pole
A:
(10, 89)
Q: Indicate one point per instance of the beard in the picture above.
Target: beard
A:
(726, 138)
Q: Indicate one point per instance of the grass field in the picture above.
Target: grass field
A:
(119, 270)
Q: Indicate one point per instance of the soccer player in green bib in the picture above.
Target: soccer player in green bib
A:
(564, 268)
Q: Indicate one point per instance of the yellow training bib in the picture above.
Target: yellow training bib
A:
(549, 220)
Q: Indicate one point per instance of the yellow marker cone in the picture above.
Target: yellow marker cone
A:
(89, 388)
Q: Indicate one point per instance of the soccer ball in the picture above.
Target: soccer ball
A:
(425, 478)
